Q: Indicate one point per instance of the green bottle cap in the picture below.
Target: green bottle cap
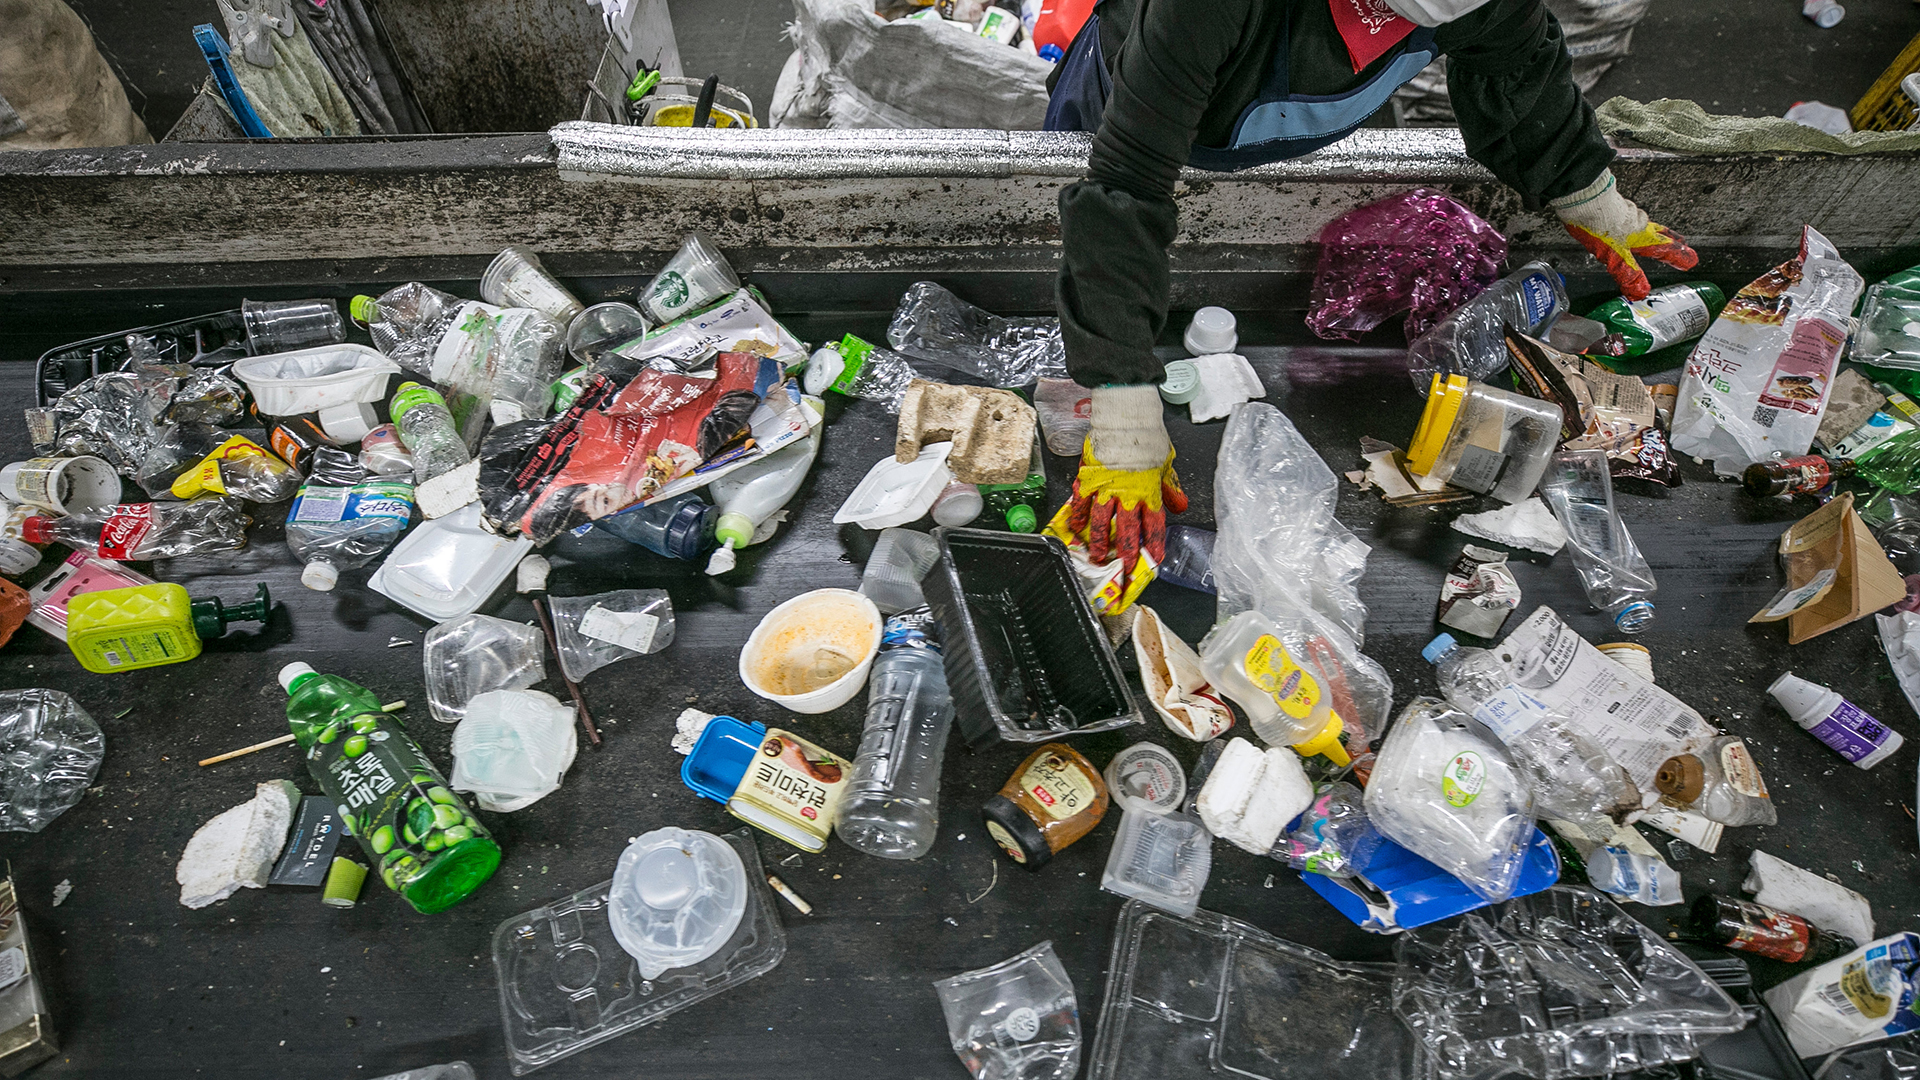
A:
(1182, 383)
(1021, 518)
(344, 879)
(364, 309)
(210, 616)
(735, 528)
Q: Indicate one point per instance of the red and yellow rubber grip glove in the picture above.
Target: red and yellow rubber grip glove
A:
(1618, 234)
(1126, 482)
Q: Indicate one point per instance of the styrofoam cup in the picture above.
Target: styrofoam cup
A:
(812, 653)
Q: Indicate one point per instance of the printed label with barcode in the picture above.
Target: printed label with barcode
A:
(1838, 1000)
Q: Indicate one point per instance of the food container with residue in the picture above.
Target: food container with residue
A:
(812, 653)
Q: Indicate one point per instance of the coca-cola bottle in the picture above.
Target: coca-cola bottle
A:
(137, 532)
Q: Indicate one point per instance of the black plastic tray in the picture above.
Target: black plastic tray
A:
(214, 339)
(1026, 658)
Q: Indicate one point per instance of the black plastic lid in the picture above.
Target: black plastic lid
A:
(1014, 824)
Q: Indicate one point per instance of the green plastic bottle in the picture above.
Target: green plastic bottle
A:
(423, 838)
(1668, 316)
(1895, 465)
(1019, 505)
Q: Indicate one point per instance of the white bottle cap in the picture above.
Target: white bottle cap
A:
(1213, 330)
(721, 560)
(1798, 696)
(294, 671)
(320, 576)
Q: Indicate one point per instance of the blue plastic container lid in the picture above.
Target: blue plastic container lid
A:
(720, 758)
(1438, 648)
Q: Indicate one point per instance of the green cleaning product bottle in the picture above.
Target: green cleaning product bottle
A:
(1669, 315)
(1019, 505)
(148, 625)
(424, 839)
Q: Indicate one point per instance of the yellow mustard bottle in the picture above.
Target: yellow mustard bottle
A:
(149, 625)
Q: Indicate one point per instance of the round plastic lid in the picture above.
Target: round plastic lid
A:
(292, 673)
(1182, 382)
(320, 576)
(677, 896)
(1444, 398)
(1213, 330)
(1438, 648)
(1021, 518)
(1146, 776)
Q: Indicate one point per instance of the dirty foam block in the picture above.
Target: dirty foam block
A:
(991, 430)
(1828, 905)
(448, 492)
(1851, 401)
(1250, 796)
(237, 848)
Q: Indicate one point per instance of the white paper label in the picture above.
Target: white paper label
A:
(322, 504)
(627, 629)
(1510, 713)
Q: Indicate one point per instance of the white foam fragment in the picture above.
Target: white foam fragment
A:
(449, 491)
(1250, 796)
(687, 729)
(1778, 883)
(237, 848)
(1527, 524)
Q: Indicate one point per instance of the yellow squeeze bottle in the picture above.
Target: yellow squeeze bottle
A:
(149, 625)
(1285, 704)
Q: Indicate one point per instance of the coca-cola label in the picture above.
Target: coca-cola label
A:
(124, 529)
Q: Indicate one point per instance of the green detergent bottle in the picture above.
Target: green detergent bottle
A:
(423, 838)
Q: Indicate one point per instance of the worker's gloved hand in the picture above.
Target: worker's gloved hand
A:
(1619, 234)
(1126, 483)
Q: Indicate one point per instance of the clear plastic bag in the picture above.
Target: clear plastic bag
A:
(408, 322)
(115, 416)
(933, 325)
(513, 748)
(207, 397)
(1555, 985)
(1016, 1020)
(452, 1070)
(50, 750)
(593, 631)
(1333, 836)
(175, 448)
(1452, 797)
(1420, 252)
(473, 654)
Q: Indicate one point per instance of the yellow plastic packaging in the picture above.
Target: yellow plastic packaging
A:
(149, 625)
(1285, 703)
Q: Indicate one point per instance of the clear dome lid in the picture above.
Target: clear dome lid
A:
(677, 896)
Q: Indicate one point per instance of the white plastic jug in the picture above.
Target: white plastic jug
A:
(750, 495)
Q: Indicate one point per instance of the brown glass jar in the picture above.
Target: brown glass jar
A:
(1055, 797)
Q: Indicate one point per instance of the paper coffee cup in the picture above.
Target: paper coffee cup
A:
(68, 485)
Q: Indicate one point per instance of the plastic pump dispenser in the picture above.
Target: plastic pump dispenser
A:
(749, 496)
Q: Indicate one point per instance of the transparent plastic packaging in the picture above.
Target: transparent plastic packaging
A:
(697, 275)
(1555, 985)
(1283, 692)
(513, 748)
(175, 449)
(891, 806)
(1484, 440)
(1633, 875)
(1066, 413)
(1472, 340)
(452, 1070)
(1015, 1020)
(1420, 252)
(473, 654)
(591, 632)
(1573, 778)
(1889, 333)
(1452, 797)
(1616, 576)
(1159, 859)
(1189, 561)
(1333, 836)
(933, 325)
(516, 278)
(677, 896)
(284, 325)
(1896, 1059)
(331, 528)
(383, 454)
(50, 750)
(901, 557)
(407, 322)
(428, 432)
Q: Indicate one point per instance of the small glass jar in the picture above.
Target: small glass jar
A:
(1055, 797)
(1484, 440)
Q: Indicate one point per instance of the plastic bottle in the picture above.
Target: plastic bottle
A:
(332, 528)
(383, 454)
(892, 806)
(1732, 923)
(1633, 876)
(139, 532)
(428, 431)
(407, 322)
(1572, 777)
(1669, 315)
(959, 504)
(1843, 726)
(1284, 701)
(750, 495)
(1616, 576)
(679, 528)
(1895, 465)
(861, 369)
(144, 626)
(1472, 340)
(422, 838)
(1018, 506)
(1189, 561)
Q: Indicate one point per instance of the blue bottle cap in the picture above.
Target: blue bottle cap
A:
(721, 756)
(1438, 648)
(1635, 616)
(1052, 52)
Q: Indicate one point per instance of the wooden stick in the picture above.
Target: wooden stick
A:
(586, 718)
(392, 706)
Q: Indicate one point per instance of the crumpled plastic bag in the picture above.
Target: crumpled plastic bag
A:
(513, 748)
(1333, 836)
(1420, 252)
(50, 750)
(115, 416)
(933, 325)
(1015, 1020)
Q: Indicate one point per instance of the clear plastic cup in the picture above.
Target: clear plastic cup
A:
(473, 654)
(901, 557)
(515, 278)
(602, 327)
(697, 275)
(284, 325)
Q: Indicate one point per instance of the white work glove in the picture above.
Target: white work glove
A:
(1618, 233)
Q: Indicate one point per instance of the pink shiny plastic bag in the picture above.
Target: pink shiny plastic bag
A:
(1420, 252)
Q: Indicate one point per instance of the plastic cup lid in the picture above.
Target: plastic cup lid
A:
(1182, 383)
(1147, 777)
(677, 897)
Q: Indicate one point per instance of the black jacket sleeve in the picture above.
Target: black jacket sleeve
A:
(1520, 113)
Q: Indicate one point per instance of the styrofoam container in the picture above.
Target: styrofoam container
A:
(812, 653)
(449, 566)
(309, 380)
(894, 494)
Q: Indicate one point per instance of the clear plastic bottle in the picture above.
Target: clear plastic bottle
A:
(891, 807)
(139, 532)
(1572, 777)
(1189, 561)
(933, 325)
(407, 323)
(1616, 576)
(679, 528)
(1472, 341)
(427, 430)
(332, 528)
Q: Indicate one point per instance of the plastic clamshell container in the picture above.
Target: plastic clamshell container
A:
(1159, 859)
(566, 984)
(309, 380)
(893, 493)
(839, 622)
(448, 567)
(1026, 658)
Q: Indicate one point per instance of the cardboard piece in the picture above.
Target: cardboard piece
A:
(1836, 573)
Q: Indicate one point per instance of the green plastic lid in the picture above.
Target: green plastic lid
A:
(363, 308)
(1021, 518)
(210, 616)
(737, 528)
(1182, 383)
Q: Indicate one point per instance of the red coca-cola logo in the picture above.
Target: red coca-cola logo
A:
(124, 530)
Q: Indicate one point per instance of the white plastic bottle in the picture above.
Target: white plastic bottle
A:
(1843, 726)
(750, 495)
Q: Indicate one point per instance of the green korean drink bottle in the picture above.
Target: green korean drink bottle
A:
(420, 836)
(1668, 316)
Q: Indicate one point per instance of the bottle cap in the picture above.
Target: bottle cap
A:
(37, 529)
(1021, 518)
(320, 576)
(734, 530)
(690, 530)
(364, 309)
(1444, 398)
(1182, 383)
(344, 879)
(1798, 696)
(1438, 648)
(1327, 742)
(1051, 53)
(1016, 833)
(1213, 330)
(1634, 617)
(1682, 777)
(960, 504)
(1146, 777)
(210, 616)
(293, 673)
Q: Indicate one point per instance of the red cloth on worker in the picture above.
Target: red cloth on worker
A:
(1369, 27)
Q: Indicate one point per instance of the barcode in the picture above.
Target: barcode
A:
(112, 658)
(1680, 729)
(1764, 414)
(1838, 1000)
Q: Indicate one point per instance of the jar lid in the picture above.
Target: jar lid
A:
(1444, 399)
(1683, 778)
(1016, 833)
(1147, 777)
(1182, 383)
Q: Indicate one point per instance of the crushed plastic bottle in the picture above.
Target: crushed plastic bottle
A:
(858, 368)
(1616, 576)
(1018, 506)
(933, 325)
(139, 532)
(891, 808)
(428, 432)
(1632, 875)
(407, 323)
(50, 750)
(1472, 340)
(332, 527)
